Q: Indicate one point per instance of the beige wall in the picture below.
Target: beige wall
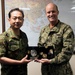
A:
(34, 68)
(72, 62)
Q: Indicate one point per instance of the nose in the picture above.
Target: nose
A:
(17, 20)
(51, 13)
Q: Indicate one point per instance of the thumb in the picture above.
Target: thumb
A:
(26, 56)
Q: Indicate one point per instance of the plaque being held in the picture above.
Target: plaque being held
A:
(46, 52)
(40, 52)
(33, 52)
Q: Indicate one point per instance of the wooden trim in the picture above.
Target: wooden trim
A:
(3, 15)
(74, 52)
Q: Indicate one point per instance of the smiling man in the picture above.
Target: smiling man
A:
(60, 37)
(13, 44)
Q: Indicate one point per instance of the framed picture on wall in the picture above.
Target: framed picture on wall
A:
(34, 16)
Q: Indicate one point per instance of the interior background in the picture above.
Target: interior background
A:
(33, 24)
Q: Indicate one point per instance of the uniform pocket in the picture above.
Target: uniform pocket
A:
(13, 45)
(57, 39)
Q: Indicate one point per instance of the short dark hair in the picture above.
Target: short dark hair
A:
(15, 9)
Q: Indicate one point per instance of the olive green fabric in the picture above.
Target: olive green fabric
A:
(13, 47)
(61, 38)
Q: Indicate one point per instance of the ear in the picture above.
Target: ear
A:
(8, 19)
(23, 19)
(58, 12)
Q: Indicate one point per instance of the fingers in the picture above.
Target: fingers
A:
(26, 56)
(36, 60)
(42, 60)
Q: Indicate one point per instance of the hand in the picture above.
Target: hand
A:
(43, 60)
(25, 60)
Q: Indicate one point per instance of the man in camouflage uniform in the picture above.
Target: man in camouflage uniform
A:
(13, 44)
(60, 36)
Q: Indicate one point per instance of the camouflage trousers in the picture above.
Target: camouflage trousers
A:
(48, 69)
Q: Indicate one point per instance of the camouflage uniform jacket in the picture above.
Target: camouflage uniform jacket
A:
(61, 38)
(13, 47)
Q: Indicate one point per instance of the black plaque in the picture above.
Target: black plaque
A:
(33, 52)
(40, 52)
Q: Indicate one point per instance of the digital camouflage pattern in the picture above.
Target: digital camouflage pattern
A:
(61, 37)
(13, 47)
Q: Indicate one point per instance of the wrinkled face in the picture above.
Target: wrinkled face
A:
(52, 13)
(16, 20)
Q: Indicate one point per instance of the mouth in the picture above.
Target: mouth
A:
(17, 24)
(50, 16)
